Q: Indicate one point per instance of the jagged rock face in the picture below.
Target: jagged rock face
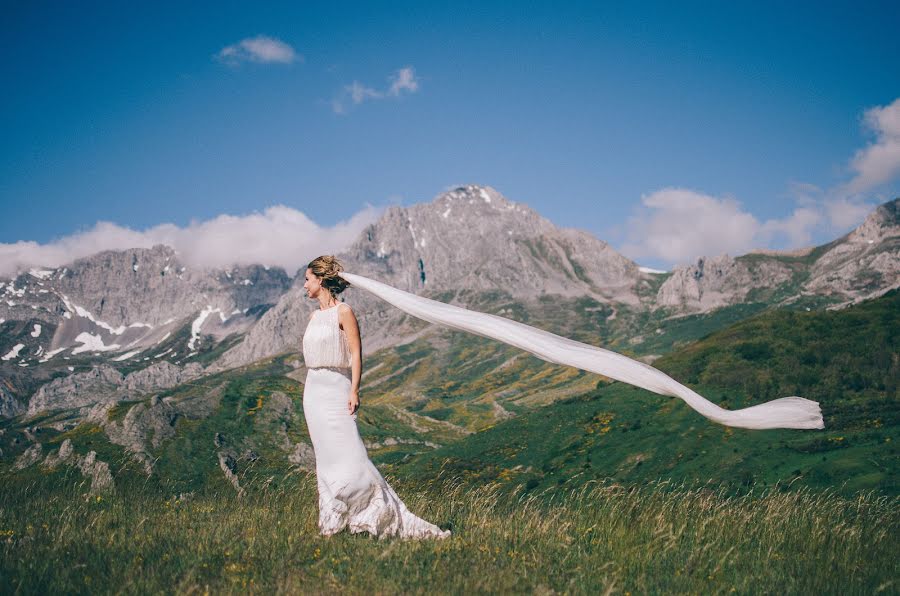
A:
(276, 415)
(148, 425)
(279, 329)
(9, 405)
(474, 238)
(712, 283)
(866, 262)
(93, 469)
(115, 286)
(104, 384)
(278, 410)
(97, 471)
(303, 457)
(124, 300)
(150, 285)
(863, 264)
(99, 384)
(161, 375)
(30, 456)
(228, 464)
(132, 432)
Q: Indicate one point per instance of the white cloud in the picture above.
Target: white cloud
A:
(879, 162)
(280, 236)
(402, 80)
(845, 213)
(678, 225)
(794, 231)
(261, 48)
(359, 92)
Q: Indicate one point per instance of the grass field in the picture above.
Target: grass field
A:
(600, 538)
(571, 485)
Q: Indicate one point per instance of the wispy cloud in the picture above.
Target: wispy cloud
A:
(261, 48)
(677, 225)
(360, 93)
(878, 162)
(401, 81)
(280, 236)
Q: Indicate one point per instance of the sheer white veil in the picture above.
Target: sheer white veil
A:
(787, 412)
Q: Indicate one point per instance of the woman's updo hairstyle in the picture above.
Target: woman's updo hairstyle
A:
(327, 268)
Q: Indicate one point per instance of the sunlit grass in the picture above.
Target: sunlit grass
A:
(600, 538)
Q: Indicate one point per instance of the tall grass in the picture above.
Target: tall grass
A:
(601, 538)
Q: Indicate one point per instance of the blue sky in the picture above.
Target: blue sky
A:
(778, 118)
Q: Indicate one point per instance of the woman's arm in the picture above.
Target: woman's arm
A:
(349, 324)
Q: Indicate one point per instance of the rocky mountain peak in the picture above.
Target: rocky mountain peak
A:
(476, 200)
(889, 213)
(472, 237)
(469, 238)
(883, 222)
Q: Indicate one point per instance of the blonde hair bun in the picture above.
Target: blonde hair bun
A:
(328, 268)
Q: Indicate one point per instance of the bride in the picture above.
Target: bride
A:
(352, 493)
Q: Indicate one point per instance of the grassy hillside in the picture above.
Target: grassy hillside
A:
(847, 360)
(601, 539)
(253, 414)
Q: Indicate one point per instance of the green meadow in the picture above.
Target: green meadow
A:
(601, 538)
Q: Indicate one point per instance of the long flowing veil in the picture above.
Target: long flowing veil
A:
(787, 412)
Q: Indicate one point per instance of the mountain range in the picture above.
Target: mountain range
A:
(110, 340)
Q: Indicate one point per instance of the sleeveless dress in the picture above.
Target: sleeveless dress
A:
(352, 493)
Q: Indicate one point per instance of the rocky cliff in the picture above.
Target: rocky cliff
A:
(862, 264)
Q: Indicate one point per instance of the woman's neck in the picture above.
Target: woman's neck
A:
(327, 302)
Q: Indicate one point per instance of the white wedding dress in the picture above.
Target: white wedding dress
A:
(352, 493)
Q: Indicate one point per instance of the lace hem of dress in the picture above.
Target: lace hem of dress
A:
(384, 516)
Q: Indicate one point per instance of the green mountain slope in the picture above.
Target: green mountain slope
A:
(847, 360)
(423, 400)
(248, 420)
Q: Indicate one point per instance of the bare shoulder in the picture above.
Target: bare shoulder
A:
(347, 319)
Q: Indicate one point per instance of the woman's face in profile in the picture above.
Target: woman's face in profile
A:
(312, 284)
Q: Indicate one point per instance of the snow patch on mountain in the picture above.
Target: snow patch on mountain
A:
(41, 273)
(92, 343)
(13, 353)
(83, 312)
(198, 323)
(126, 355)
(51, 354)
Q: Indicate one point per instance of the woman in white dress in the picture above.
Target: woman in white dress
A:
(352, 493)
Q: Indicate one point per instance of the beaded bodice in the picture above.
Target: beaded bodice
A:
(324, 342)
